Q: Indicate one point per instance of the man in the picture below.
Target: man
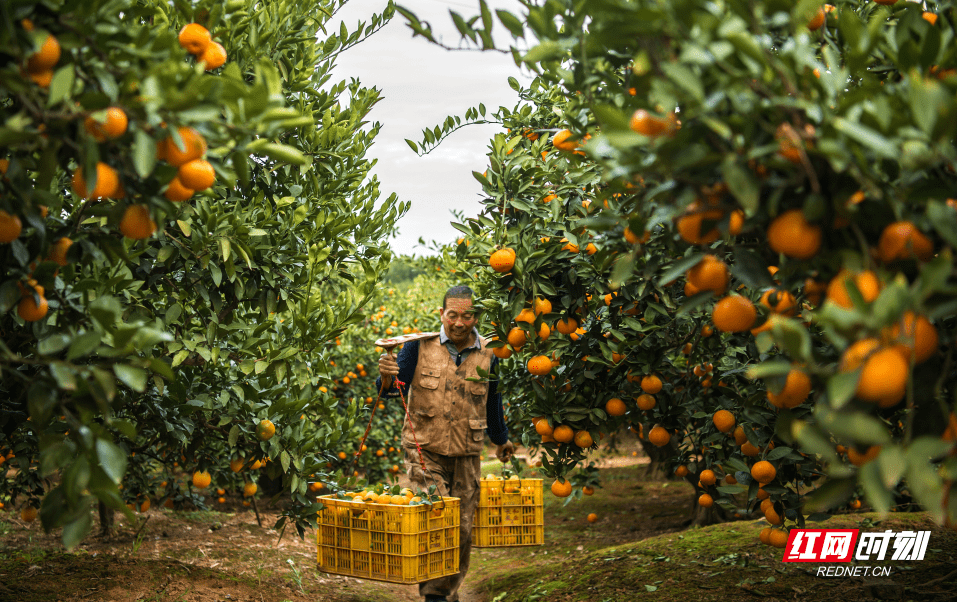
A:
(450, 415)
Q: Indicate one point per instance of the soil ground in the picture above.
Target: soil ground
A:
(637, 548)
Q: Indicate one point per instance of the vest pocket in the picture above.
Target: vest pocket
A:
(429, 379)
(422, 421)
(478, 429)
(478, 389)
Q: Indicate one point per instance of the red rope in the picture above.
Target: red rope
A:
(399, 385)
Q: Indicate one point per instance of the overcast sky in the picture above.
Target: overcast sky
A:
(421, 85)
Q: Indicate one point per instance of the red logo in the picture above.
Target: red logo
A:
(820, 545)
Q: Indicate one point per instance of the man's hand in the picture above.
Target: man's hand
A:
(388, 369)
(504, 452)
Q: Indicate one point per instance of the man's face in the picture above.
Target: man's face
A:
(459, 319)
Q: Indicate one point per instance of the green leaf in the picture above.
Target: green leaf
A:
(545, 51)
(61, 87)
(877, 495)
(111, 459)
(778, 452)
(841, 388)
(284, 460)
(144, 154)
(868, 137)
(76, 530)
(742, 184)
(64, 376)
(678, 269)
(9, 295)
(283, 153)
(53, 344)
(234, 435)
(135, 378)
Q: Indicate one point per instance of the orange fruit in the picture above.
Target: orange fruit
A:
(705, 501)
(646, 402)
(516, 338)
(778, 538)
(883, 377)
(779, 302)
(562, 141)
(29, 310)
(196, 174)
(866, 282)
(59, 249)
(502, 260)
(592, 517)
(916, 335)
(42, 78)
(734, 313)
(566, 325)
(265, 430)
(659, 436)
(814, 291)
(709, 275)
(543, 428)
(763, 472)
(707, 477)
(527, 315)
(10, 227)
(588, 490)
(681, 471)
(902, 240)
(577, 334)
(214, 56)
(28, 514)
(137, 223)
(145, 505)
(570, 247)
(113, 126)
(749, 449)
(930, 17)
(563, 433)
(651, 384)
(818, 20)
(652, 126)
(615, 407)
(194, 147)
(797, 387)
(194, 38)
(250, 489)
(861, 458)
(634, 239)
(791, 234)
(502, 352)
(236, 464)
(201, 480)
(561, 489)
(765, 536)
(691, 222)
(723, 421)
(176, 192)
(583, 439)
(541, 306)
(539, 365)
(107, 183)
(46, 57)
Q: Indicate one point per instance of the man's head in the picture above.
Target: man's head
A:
(458, 316)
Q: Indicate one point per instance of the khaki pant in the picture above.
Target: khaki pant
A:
(454, 477)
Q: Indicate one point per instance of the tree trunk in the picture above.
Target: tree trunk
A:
(106, 520)
(702, 517)
(655, 471)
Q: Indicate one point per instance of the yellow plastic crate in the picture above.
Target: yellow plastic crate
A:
(399, 544)
(509, 518)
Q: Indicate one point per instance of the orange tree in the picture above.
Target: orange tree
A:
(187, 219)
(809, 149)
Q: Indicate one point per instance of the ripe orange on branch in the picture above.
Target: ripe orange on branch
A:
(10, 227)
(790, 233)
(539, 365)
(502, 260)
(709, 275)
(902, 240)
(797, 387)
(866, 282)
(194, 38)
(107, 183)
(113, 126)
(265, 430)
(137, 223)
(615, 407)
(723, 421)
(763, 472)
(653, 126)
(562, 489)
(651, 384)
(734, 313)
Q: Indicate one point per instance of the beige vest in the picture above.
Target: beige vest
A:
(448, 412)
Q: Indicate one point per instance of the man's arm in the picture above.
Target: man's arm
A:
(408, 359)
(495, 416)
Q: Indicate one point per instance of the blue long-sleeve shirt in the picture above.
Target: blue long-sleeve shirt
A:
(408, 359)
